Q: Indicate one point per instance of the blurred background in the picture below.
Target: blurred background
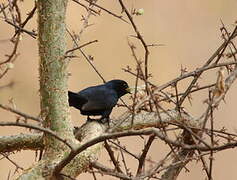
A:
(189, 32)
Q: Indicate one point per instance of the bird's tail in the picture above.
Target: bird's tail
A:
(75, 100)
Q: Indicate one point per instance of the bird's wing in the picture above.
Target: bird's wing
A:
(99, 98)
(76, 100)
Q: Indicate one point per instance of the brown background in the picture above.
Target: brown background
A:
(188, 29)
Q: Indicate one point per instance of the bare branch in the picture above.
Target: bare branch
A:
(31, 126)
(26, 116)
(21, 142)
(110, 171)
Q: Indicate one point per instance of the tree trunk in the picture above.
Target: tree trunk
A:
(53, 72)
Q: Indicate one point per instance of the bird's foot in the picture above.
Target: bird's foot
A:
(101, 120)
(104, 120)
(89, 119)
(92, 119)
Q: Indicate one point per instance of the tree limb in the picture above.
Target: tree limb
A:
(21, 142)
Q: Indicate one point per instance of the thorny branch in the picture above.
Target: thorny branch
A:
(11, 14)
(147, 105)
(24, 115)
(31, 126)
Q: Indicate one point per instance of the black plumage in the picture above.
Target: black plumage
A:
(98, 100)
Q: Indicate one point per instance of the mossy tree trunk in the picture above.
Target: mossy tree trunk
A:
(54, 102)
(53, 73)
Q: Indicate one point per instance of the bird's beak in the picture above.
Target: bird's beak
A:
(128, 90)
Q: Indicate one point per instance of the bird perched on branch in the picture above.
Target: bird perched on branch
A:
(98, 100)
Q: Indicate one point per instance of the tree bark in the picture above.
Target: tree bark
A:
(53, 73)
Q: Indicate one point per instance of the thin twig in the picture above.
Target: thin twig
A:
(111, 155)
(218, 53)
(109, 171)
(79, 47)
(105, 10)
(26, 116)
(144, 154)
(139, 36)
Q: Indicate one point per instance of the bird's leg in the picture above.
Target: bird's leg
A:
(103, 120)
(89, 119)
(108, 122)
(100, 119)
(105, 117)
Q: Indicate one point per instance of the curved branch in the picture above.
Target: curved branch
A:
(26, 116)
(186, 152)
(141, 120)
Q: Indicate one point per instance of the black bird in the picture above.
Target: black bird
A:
(98, 100)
